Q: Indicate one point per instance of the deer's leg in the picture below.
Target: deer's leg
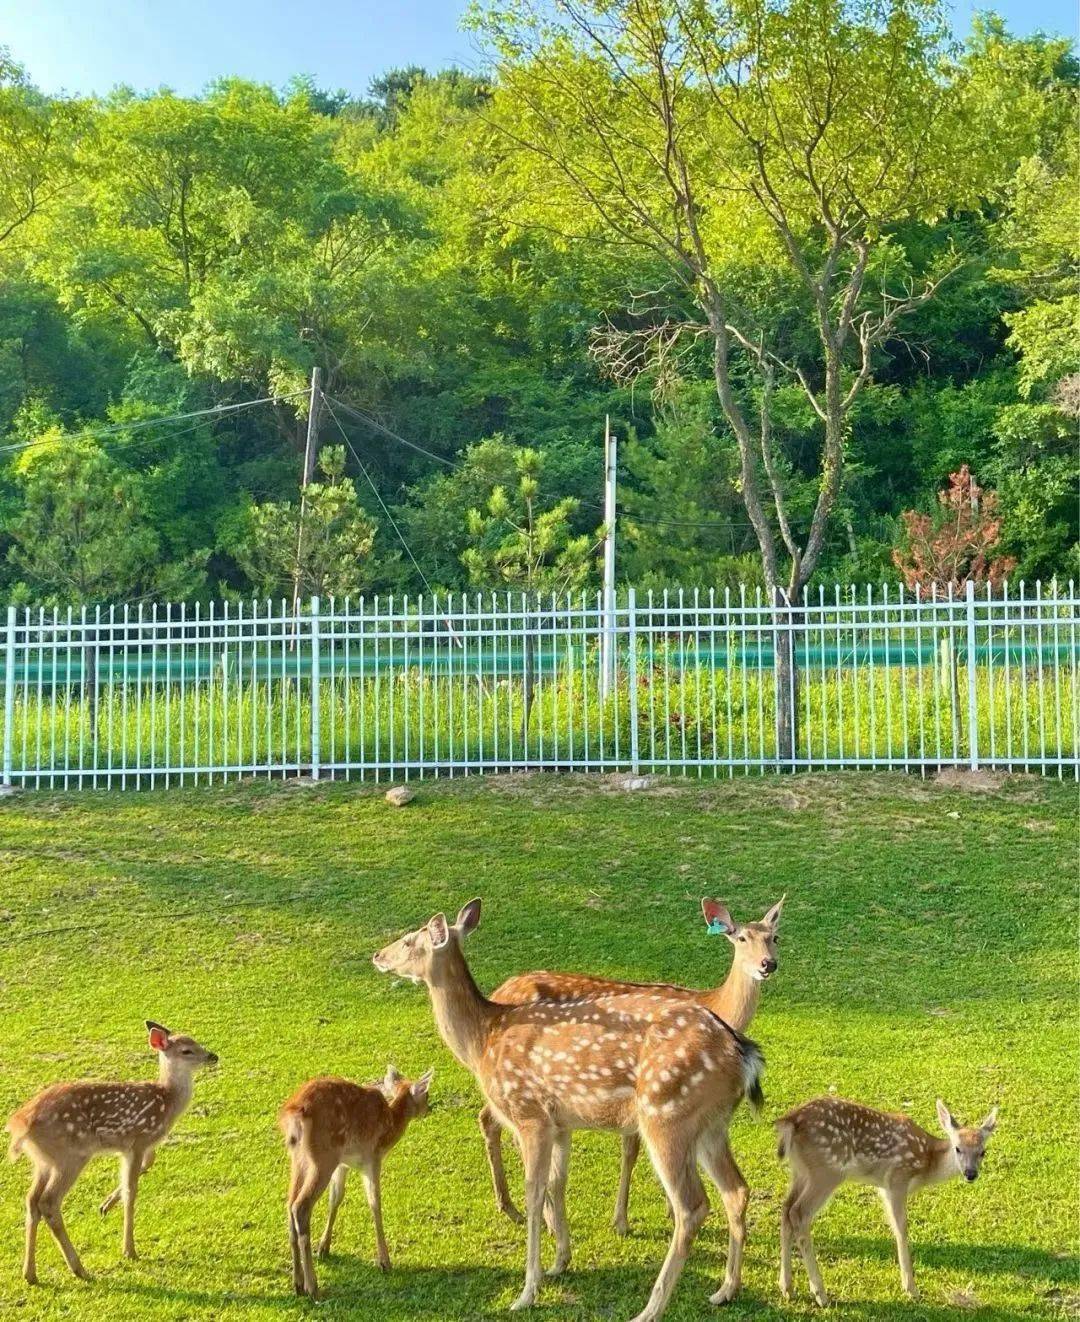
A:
(130, 1165)
(33, 1216)
(492, 1132)
(673, 1157)
(372, 1187)
(811, 1200)
(895, 1200)
(786, 1236)
(337, 1193)
(631, 1147)
(560, 1166)
(59, 1182)
(314, 1181)
(113, 1198)
(718, 1161)
(536, 1144)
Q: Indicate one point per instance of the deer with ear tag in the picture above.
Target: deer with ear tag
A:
(828, 1141)
(64, 1126)
(672, 1071)
(735, 1000)
(331, 1125)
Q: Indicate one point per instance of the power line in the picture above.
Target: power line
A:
(98, 433)
(386, 431)
(352, 449)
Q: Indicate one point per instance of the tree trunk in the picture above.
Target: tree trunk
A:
(787, 623)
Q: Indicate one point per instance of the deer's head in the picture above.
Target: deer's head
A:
(968, 1144)
(408, 1095)
(755, 943)
(177, 1050)
(423, 954)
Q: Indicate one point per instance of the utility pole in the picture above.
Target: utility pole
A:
(607, 640)
(310, 449)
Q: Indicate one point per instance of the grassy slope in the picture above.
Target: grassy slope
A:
(928, 947)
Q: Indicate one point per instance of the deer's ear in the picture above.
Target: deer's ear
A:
(772, 918)
(945, 1117)
(438, 931)
(159, 1035)
(390, 1078)
(423, 1083)
(469, 918)
(716, 916)
(990, 1123)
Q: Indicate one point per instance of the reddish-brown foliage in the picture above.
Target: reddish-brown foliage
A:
(955, 546)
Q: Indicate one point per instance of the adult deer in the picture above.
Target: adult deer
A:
(330, 1125)
(735, 1000)
(828, 1141)
(634, 1062)
(64, 1126)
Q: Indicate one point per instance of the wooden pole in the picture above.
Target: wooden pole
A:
(311, 447)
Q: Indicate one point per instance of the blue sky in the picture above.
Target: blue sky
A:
(91, 45)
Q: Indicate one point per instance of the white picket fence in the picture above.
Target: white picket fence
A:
(389, 688)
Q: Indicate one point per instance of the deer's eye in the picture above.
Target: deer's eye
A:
(959, 1152)
(742, 938)
(187, 1052)
(776, 940)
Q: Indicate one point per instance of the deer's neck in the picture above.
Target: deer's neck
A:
(177, 1086)
(462, 1013)
(939, 1162)
(736, 999)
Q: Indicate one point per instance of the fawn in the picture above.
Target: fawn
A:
(330, 1125)
(674, 1071)
(64, 1126)
(828, 1141)
(735, 1001)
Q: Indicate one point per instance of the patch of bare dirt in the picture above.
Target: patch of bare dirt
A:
(976, 782)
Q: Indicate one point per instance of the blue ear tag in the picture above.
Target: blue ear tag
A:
(716, 928)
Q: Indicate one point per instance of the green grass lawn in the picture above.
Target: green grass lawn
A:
(928, 947)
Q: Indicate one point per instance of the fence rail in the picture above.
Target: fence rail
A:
(167, 695)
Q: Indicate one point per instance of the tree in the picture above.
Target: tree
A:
(326, 553)
(82, 535)
(761, 159)
(516, 544)
(37, 135)
(957, 546)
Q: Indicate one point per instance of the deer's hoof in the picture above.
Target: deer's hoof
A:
(912, 1291)
(621, 1227)
(384, 1264)
(820, 1298)
(725, 1294)
(558, 1266)
(509, 1210)
(525, 1299)
(323, 1251)
(30, 1278)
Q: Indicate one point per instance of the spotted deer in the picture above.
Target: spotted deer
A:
(631, 1063)
(331, 1125)
(735, 1000)
(828, 1141)
(64, 1126)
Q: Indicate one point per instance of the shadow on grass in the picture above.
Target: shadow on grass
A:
(352, 1285)
(1018, 1260)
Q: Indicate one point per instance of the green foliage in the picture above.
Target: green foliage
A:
(322, 546)
(82, 534)
(162, 254)
(514, 543)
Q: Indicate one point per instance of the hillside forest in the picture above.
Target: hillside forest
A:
(811, 258)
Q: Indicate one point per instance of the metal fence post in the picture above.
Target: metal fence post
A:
(973, 711)
(631, 672)
(9, 697)
(316, 731)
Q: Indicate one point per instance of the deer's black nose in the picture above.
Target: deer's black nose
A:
(970, 1175)
(768, 965)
